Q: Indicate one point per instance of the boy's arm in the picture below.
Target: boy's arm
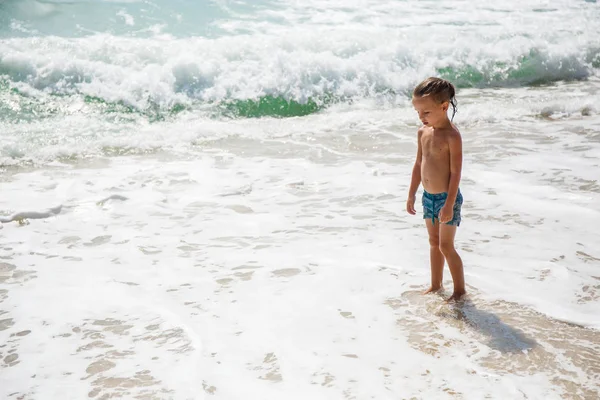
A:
(416, 172)
(455, 146)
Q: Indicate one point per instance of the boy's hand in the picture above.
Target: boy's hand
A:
(446, 213)
(410, 206)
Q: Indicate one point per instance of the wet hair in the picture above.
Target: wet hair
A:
(439, 89)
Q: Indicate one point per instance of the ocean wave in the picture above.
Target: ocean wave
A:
(534, 68)
(261, 76)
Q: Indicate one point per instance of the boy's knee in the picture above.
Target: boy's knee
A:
(446, 247)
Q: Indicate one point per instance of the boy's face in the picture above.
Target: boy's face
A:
(431, 113)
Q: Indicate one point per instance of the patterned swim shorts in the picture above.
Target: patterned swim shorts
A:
(433, 203)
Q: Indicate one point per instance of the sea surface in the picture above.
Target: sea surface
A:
(206, 200)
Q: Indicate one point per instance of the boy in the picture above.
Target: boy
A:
(438, 166)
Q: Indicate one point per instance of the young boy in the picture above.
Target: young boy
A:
(438, 166)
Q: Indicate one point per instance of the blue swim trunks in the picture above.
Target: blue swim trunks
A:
(433, 203)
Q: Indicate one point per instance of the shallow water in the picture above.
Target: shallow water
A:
(289, 267)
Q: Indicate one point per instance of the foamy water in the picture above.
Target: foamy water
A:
(159, 242)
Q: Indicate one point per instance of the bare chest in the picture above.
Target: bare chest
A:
(434, 146)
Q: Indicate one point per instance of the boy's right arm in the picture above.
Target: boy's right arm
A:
(416, 177)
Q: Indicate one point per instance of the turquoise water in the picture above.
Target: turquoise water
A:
(128, 18)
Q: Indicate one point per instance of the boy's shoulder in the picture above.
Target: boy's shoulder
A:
(422, 130)
(454, 139)
(452, 132)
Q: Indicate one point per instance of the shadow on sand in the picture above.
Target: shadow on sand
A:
(502, 337)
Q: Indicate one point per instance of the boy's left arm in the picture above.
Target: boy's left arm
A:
(455, 147)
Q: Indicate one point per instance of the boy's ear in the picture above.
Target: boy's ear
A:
(445, 106)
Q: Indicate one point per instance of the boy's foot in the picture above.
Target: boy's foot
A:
(456, 296)
(432, 290)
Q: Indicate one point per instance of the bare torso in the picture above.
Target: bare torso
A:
(435, 161)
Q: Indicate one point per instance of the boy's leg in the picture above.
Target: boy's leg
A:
(436, 258)
(447, 233)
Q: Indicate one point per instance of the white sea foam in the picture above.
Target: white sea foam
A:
(81, 132)
(27, 215)
(129, 20)
(296, 277)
